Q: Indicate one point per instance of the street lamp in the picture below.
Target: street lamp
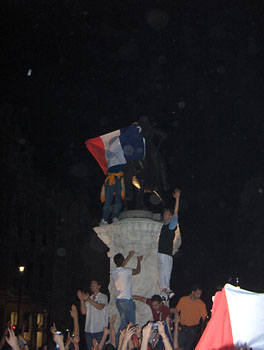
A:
(21, 270)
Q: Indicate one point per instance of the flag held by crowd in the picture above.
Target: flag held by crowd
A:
(237, 319)
(117, 147)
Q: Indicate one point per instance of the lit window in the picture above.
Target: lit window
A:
(13, 318)
(40, 321)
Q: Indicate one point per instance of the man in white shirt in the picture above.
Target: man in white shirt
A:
(122, 278)
(96, 311)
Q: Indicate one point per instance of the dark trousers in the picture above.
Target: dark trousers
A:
(110, 192)
(188, 336)
(89, 338)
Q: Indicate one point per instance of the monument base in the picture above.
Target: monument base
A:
(136, 230)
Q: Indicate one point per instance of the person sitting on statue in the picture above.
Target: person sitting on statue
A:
(113, 186)
(165, 244)
(122, 278)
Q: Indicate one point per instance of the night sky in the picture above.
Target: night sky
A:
(79, 69)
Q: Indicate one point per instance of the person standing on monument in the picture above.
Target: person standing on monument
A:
(122, 277)
(165, 244)
(113, 187)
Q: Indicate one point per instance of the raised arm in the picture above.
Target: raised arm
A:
(12, 339)
(176, 195)
(58, 338)
(130, 254)
(130, 330)
(146, 333)
(161, 329)
(121, 338)
(83, 297)
(74, 315)
(137, 270)
(176, 330)
(3, 339)
(106, 332)
(112, 330)
(168, 325)
(76, 341)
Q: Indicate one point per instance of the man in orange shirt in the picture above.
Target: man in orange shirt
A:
(192, 312)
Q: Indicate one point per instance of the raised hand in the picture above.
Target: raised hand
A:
(12, 339)
(58, 338)
(147, 330)
(76, 339)
(121, 335)
(177, 193)
(53, 328)
(138, 330)
(131, 253)
(113, 319)
(95, 345)
(161, 328)
(130, 330)
(73, 311)
(139, 258)
(86, 296)
(79, 294)
(82, 295)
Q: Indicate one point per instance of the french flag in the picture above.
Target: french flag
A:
(237, 320)
(117, 147)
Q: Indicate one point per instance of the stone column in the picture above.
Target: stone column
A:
(137, 230)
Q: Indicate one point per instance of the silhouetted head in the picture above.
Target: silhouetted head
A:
(167, 215)
(119, 259)
(196, 291)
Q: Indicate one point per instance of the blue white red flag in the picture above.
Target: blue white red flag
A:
(117, 147)
(237, 320)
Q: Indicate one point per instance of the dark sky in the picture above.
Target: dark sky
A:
(78, 69)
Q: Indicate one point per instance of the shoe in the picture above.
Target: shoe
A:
(115, 220)
(171, 294)
(103, 222)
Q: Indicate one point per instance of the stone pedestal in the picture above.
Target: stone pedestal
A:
(137, 230)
